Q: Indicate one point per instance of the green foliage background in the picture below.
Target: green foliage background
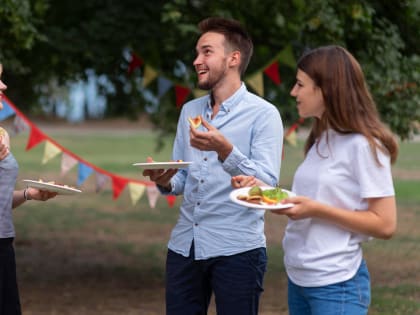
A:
(45, 43)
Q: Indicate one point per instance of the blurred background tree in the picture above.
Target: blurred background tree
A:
(46, 43)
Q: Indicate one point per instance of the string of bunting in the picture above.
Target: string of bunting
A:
(136, 187)
(254, 80)
(69, 160)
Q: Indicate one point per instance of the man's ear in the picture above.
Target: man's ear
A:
(235, 58)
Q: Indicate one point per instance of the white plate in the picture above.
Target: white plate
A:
(162, 165)
(244, 191)
(60, 189)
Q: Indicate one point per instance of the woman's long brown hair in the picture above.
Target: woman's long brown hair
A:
(349, 106)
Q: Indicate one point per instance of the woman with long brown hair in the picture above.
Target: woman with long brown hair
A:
(344, 187)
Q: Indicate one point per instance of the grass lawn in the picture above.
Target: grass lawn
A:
(91, 254)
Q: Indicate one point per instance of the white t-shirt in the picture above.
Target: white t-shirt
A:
(341, 173)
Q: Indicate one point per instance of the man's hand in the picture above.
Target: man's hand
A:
(160, 176)
(212, 140)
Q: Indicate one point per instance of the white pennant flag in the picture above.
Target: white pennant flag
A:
(101, 180)
(67, 162)
(153, 195)
(19, 125)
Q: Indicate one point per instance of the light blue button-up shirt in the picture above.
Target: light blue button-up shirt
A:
(218, 226)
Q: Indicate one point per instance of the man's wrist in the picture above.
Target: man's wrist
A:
(222, 156)
(167, 188)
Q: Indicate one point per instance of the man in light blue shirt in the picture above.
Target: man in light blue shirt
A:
(217, 245)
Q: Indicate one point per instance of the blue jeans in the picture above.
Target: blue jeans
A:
(351, 297)
(237, 283)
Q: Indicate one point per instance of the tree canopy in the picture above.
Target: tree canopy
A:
(45, 43)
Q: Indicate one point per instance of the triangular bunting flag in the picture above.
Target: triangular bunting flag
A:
(199, 92)
(149, 75)
(153, 195)
(291, 138)
(171, 200)
(50, 151)
(163, 86)
(286, 56)
(101, 180)
(67, 162)
(83, 173)
(256, 82)
(19, 125)
(35, 138)
(118, 185)
(181, 93)
(136, 191)
(135, 63)
(6, 111)
(272, 71)
(291, 134)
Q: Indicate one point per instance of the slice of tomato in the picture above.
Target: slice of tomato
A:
(195, 122)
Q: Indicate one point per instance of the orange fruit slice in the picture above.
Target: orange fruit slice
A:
(195, 122)
(268, 200)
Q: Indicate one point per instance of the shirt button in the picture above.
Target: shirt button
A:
(198, 203)
(202, 181)
(196, 224)
(205, 159)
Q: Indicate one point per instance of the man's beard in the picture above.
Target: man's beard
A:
(212, 80)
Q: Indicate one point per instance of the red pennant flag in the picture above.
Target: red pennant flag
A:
(181, 93)
(171, 200)
(272, 71)
(35, 138)
(135, 63)
(118, 185)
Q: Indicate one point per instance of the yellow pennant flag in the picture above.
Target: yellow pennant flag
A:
(149, 75)
(291, 138)
(199, 92)
(50, 151)
(256, 81)
(136, 191)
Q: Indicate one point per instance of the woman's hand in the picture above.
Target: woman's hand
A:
(303, 208)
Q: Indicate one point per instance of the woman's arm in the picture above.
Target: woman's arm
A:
(30, 193)
(379, 220)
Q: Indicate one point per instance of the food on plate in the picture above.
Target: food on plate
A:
(255, 191)
(54, 183)
(195, 122)
(257, 195)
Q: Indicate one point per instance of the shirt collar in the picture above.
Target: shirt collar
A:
(232, 101)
